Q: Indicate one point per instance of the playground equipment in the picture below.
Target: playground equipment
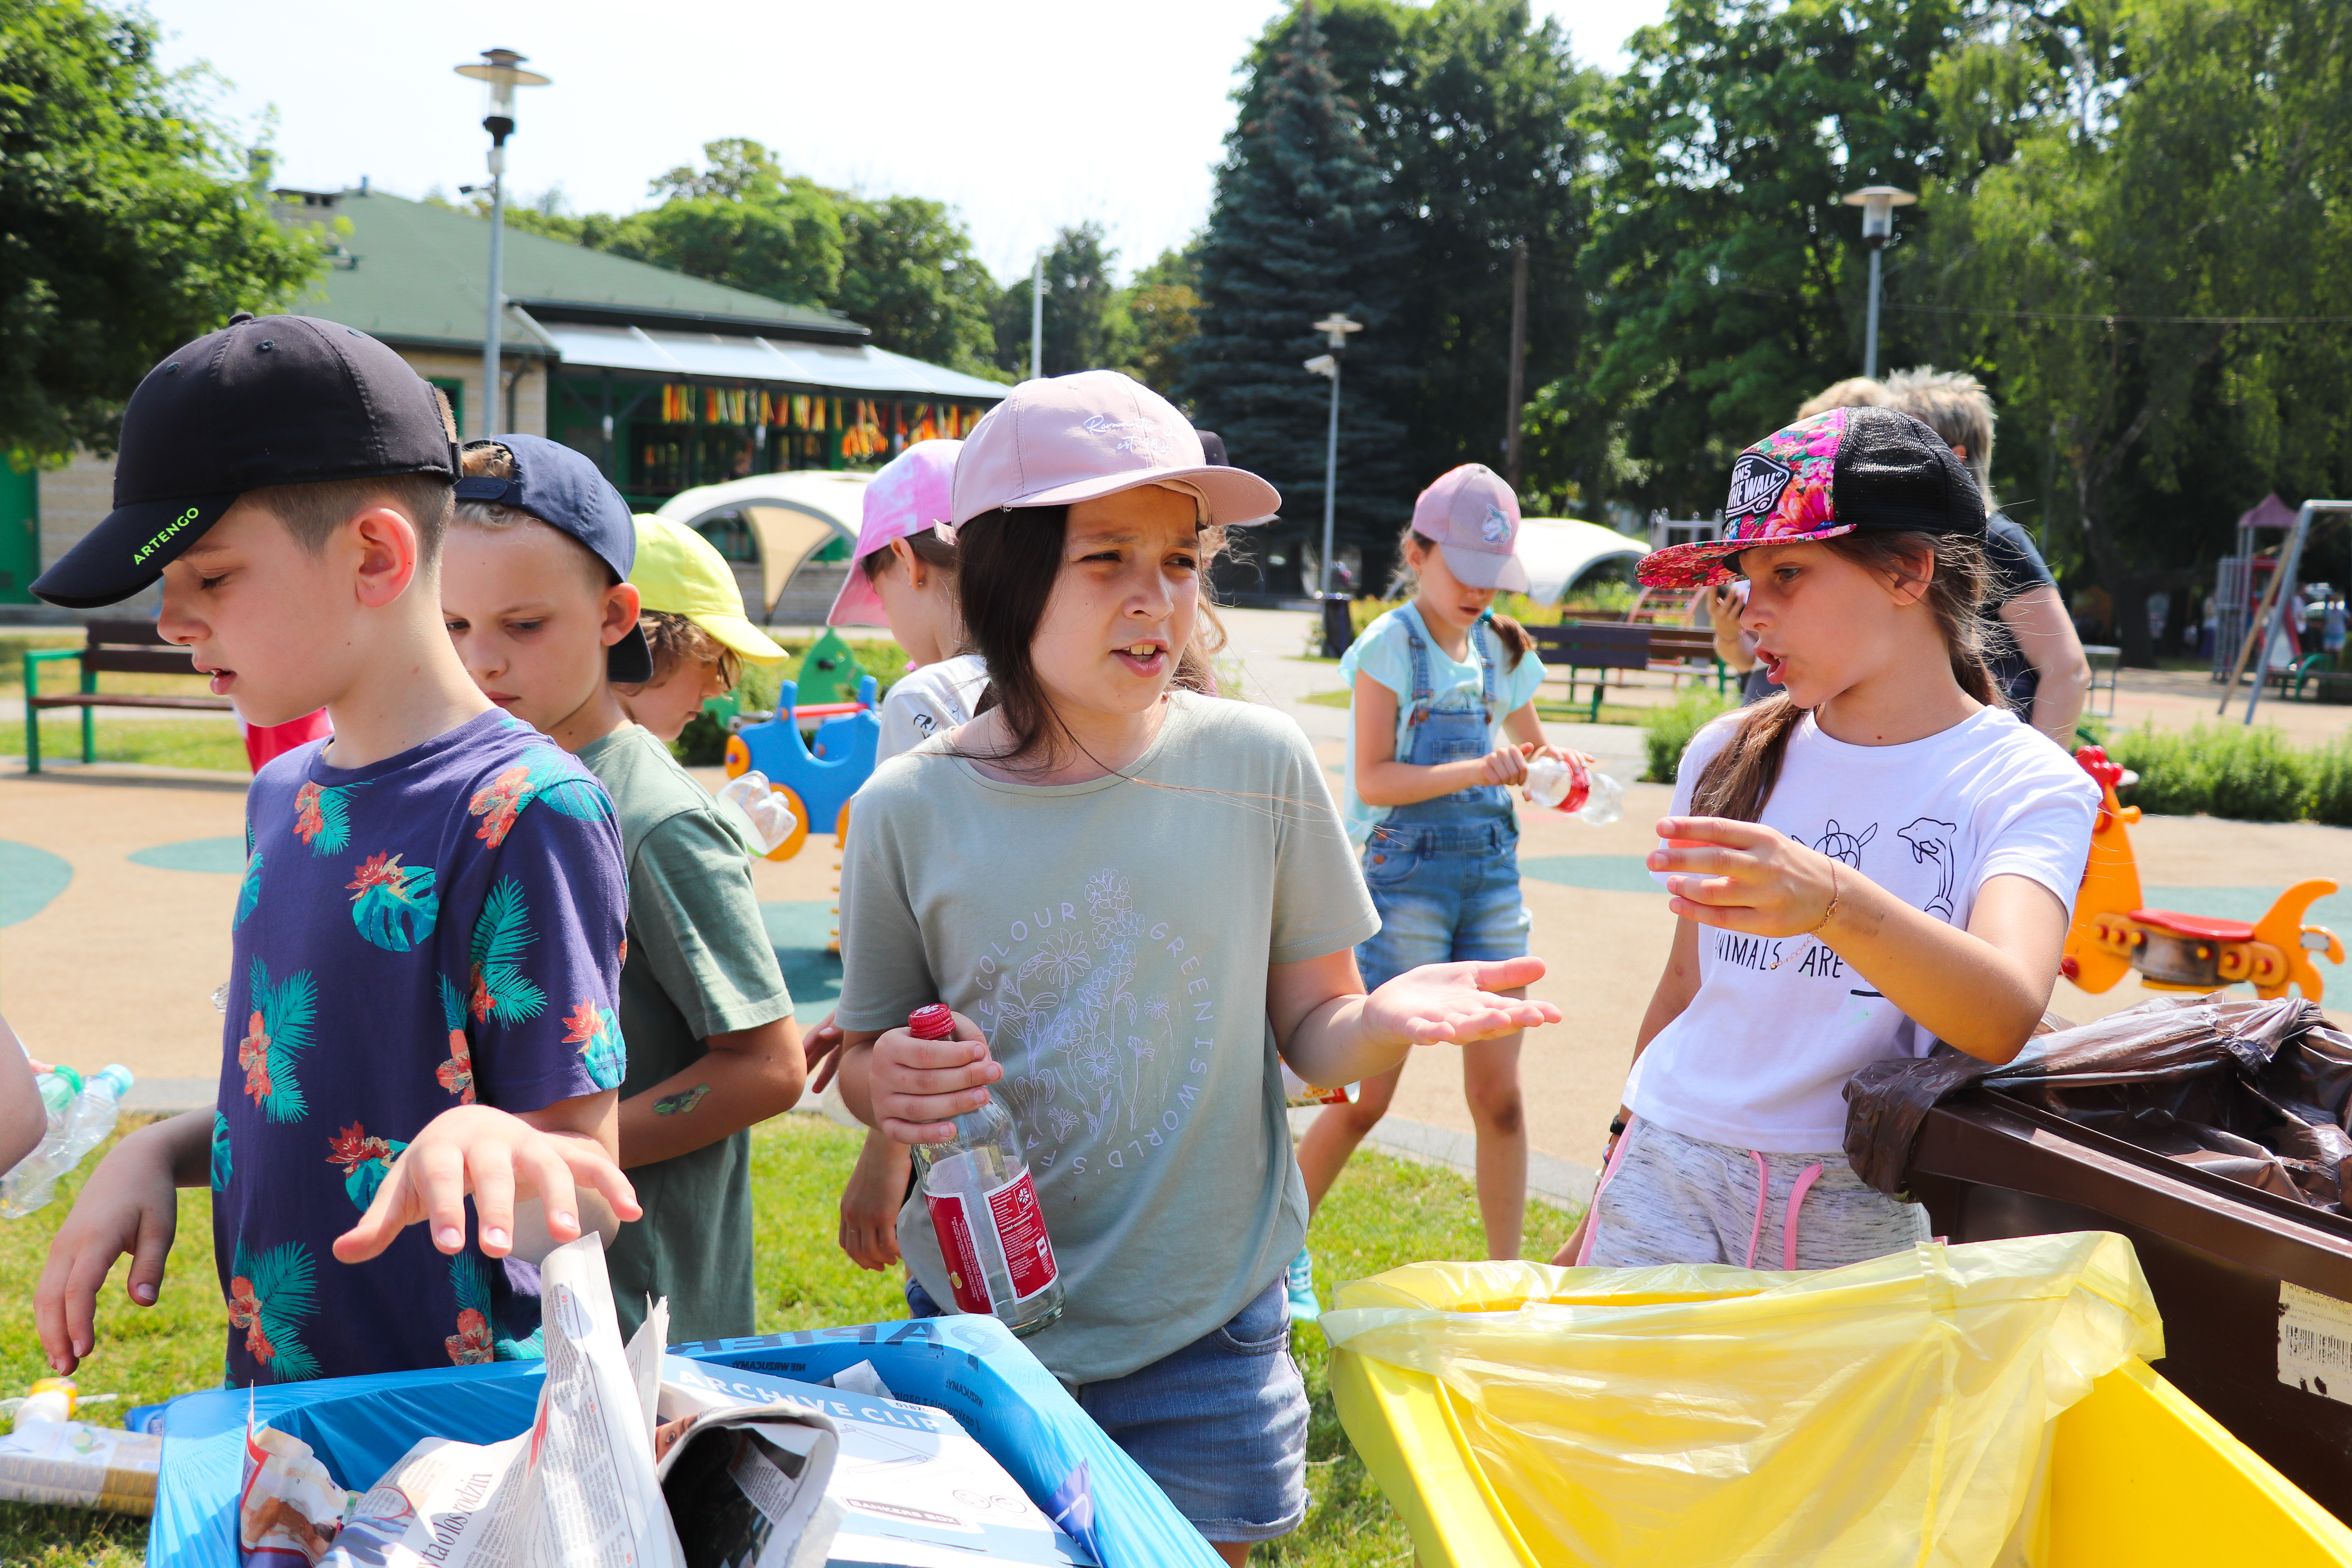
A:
(815, 778)
(2113, 934)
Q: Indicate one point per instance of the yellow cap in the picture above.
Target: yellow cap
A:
(680, 573)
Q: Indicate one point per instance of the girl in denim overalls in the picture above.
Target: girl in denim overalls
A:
(1443, 724)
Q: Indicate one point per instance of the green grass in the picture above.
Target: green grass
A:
(212, 743)
(1381, 1213)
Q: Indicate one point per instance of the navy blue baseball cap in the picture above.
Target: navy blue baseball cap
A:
(566, 491)
(266, 400)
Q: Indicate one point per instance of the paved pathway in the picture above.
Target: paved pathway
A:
(116, 885)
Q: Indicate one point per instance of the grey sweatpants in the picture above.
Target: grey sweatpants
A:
(1666, 1198)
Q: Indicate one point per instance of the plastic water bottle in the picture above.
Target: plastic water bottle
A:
(1297, 1092)
(761, 816)
(80, 1116)
(1587, 793)
(27, 1186)
(984, 1208)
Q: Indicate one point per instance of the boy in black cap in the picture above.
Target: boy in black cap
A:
(534, 590)
(422, 1004)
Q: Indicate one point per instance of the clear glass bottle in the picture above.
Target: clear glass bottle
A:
(1587, 793)
(984, 1208)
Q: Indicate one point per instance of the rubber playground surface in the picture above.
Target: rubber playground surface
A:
(117, 883)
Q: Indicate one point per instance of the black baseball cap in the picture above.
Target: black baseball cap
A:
(266, 400)
(566, 491)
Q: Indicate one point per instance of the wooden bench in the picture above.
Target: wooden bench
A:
(1597, 646)
(129, 648)
(1673, 648)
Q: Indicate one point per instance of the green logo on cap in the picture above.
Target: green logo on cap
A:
(163, 538)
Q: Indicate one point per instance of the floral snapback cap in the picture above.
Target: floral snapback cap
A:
(1840, 470)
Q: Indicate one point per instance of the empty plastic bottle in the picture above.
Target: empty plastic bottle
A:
(1587, 794)
(984, 1208)
(81, 1115)
(761, 816)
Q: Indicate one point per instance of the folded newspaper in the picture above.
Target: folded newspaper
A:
(582, 1488)
(77, 1464)
(910, 1486)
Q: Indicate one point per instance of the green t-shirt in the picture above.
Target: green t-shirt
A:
(1112, 939)
(698, 964)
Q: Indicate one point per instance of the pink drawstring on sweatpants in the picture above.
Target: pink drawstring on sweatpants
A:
(1804, 1185)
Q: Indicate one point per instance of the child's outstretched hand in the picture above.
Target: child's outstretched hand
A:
(494, 1155)
(919, 1087)
(129, 1204)
(1454, 1004)
(1746, 877)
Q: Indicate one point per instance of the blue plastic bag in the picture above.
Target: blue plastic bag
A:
(970, 1367)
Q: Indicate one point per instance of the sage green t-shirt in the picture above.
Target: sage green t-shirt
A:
(1112, 940)
(698, 964)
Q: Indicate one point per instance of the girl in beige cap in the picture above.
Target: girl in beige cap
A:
(1140, 902)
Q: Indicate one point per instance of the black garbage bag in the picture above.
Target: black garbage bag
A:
(2256, 1092)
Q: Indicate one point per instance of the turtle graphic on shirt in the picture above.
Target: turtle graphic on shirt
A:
(1932, 840)
(1840, 845)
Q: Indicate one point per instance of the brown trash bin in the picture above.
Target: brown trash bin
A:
(1996, 1153)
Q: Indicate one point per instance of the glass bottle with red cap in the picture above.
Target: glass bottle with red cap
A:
(984, 1208)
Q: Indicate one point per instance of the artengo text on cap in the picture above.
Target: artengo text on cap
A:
(157, 542)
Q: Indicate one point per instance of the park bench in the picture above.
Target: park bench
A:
(115, 647)
(1604, 646)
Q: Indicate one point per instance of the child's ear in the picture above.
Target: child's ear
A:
(622, 602)
(383, 545)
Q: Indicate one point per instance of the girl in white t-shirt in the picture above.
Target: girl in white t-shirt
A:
(902, 577)
(1879, 857)
(1140, 902)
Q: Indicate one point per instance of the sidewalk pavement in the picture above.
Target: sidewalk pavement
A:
(116, 883)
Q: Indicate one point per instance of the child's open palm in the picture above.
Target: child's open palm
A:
(1454, 1004)
(496, 1158)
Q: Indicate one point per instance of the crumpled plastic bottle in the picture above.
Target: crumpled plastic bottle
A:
(1587, 794)
(761, 816)
(81, 1114)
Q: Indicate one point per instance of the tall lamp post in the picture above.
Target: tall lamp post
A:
(1878, 203)
(1335, 328)
(499, 68)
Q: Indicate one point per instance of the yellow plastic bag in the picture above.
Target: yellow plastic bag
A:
(1897, 1412)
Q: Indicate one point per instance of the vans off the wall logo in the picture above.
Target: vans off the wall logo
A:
(1756, 482)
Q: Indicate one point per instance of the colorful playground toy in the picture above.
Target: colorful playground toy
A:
(2113, 935)
(830, 671)
(816, 781)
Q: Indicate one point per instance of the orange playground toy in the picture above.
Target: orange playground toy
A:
(2112, 934)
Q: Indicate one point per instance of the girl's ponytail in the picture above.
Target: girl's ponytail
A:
(1739, 780)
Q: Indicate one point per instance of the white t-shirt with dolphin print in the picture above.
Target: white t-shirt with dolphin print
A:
(1760, 1059)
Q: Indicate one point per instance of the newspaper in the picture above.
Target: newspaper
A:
(577, 1490)
(911, 1487)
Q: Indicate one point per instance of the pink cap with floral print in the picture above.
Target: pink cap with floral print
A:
(1833, 473)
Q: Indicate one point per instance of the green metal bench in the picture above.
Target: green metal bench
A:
(115, 647)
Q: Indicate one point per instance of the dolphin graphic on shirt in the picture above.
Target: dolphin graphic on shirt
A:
(1932, 840)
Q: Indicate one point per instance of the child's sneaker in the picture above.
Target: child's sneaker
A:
(1298, 1279)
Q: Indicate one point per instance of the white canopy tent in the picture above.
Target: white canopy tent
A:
(791, 517)
(1558, 550)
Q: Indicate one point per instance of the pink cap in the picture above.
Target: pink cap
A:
(1473, 518)
(1077, 438)
(908, 494)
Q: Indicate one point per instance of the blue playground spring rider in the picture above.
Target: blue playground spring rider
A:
(817, 781)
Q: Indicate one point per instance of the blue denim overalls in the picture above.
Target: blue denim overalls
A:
(1445, 873)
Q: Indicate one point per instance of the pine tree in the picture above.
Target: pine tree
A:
(1301, 228)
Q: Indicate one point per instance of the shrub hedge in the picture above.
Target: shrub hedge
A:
(2229, 770)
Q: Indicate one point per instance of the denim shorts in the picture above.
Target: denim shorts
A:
(1445, 894)
(1220, 1424)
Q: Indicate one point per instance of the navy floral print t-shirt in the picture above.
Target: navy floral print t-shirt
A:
(442, 928)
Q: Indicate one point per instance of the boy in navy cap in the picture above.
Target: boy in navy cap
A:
(428, 942)
(535, 594)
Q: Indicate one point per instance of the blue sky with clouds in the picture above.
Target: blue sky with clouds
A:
(1025, 115)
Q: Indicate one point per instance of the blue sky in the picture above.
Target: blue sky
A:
(1023, 115)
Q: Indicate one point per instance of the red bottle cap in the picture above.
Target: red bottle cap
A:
(932, 1023)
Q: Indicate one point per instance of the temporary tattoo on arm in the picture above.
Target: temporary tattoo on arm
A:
(681, 1103)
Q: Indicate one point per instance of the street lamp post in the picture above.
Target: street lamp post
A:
(499, 71)
(1335, 328)
(1878, 203)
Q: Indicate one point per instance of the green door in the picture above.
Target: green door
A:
(20, 528)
